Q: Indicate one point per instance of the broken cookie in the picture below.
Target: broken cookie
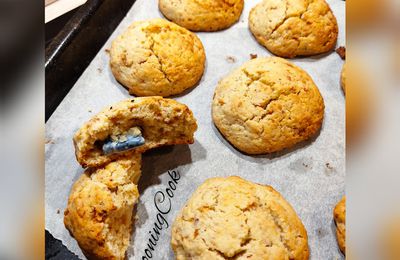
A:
(100, 208)
(100, 205)
(134, 125)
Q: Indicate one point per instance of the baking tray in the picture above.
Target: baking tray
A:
(73, 40)
(311, 176)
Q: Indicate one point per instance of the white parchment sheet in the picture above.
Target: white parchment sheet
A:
(310, 176)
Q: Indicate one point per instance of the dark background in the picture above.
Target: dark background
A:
(72, 41)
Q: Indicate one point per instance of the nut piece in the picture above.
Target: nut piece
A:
(342, 52)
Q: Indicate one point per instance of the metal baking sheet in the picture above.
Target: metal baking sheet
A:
(311, 176)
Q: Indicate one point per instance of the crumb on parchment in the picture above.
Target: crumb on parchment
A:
(231, 59)
(329, 166)
(49, 141)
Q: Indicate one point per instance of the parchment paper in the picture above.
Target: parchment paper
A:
(311, 176)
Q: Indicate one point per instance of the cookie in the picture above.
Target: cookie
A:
(291, 28)
(133, 125)
(231, 218)
(339, 215)
(157, 58)
(100, 207)
(202, 15)
(343, 78)
(266, 105)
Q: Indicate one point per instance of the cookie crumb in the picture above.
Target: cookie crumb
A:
(132, 100)
(110, 108)
(99, 70)
(90, 111)
(253, 56)
(321, 233)
(305, 165)
(342, 52)
(231, 59)
(58, 211)
(107, 50)
(49, 141)
(329, 166)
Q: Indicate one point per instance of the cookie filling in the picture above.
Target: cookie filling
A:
(123, 142)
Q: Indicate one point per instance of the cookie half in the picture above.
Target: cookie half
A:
(339, 215)
(202, 15)
(158, 122)
(231, 218)
(100, 208)
(291, 28)
(157, 58)
(267, 105)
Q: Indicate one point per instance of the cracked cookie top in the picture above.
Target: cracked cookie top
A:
(291, 28)
(202, 15)
(231, 218)
(157, 58)
(267, 105)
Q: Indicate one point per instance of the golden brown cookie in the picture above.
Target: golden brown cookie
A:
(100, 207)
(202, 15)
(339, 214)
(343, 78)
(161, 122)
(291, 28)
(266, 105)
(157, 58)
(231, 218)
